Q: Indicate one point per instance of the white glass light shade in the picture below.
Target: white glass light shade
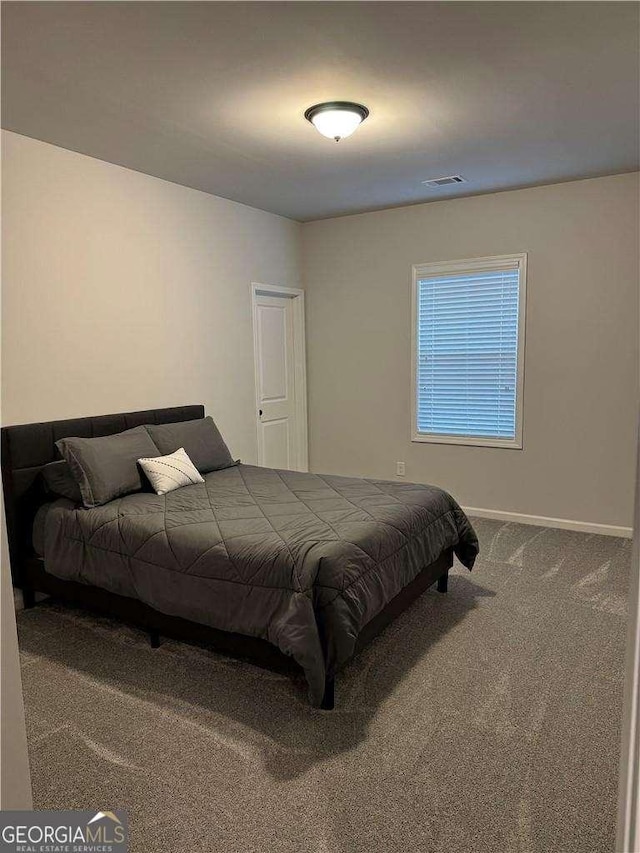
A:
(336, 124)
(337, 119)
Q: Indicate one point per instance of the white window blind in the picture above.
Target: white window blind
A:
(467, 352)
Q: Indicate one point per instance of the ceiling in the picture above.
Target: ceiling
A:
(212, 95)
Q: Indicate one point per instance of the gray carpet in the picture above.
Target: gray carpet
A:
(484, 720)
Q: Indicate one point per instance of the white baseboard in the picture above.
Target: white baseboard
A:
(542, 521)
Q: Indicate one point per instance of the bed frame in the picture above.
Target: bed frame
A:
(26, 448)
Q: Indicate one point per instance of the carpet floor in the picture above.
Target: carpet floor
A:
(484, 720)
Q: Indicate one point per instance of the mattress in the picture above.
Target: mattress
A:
(301, 560)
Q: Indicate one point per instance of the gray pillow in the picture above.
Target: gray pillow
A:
(201, 440)
(107, 467)
(60, 481)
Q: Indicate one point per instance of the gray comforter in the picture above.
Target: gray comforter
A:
(264, 553)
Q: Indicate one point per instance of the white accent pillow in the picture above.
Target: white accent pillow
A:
(167, 473)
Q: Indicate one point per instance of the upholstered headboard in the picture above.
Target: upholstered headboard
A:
(27, 448)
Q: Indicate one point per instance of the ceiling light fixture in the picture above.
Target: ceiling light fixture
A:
(336, 119)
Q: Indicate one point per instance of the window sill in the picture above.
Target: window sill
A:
(469, 440)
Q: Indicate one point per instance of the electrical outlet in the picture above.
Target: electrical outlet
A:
(400, 469)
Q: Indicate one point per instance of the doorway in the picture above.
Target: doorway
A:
(280, 376)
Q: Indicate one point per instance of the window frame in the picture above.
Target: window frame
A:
(492, 262)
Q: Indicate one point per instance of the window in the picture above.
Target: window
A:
(468, 351)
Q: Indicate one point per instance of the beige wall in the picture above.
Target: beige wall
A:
(581, 368)
(15, 778)
(122, 291)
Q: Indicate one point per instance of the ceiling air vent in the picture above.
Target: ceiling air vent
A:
(435, 183)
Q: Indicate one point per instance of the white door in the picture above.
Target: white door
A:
(280, 386)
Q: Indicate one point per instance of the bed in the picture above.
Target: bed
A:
(281, 567)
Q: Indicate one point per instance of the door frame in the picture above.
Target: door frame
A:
(296, 295)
